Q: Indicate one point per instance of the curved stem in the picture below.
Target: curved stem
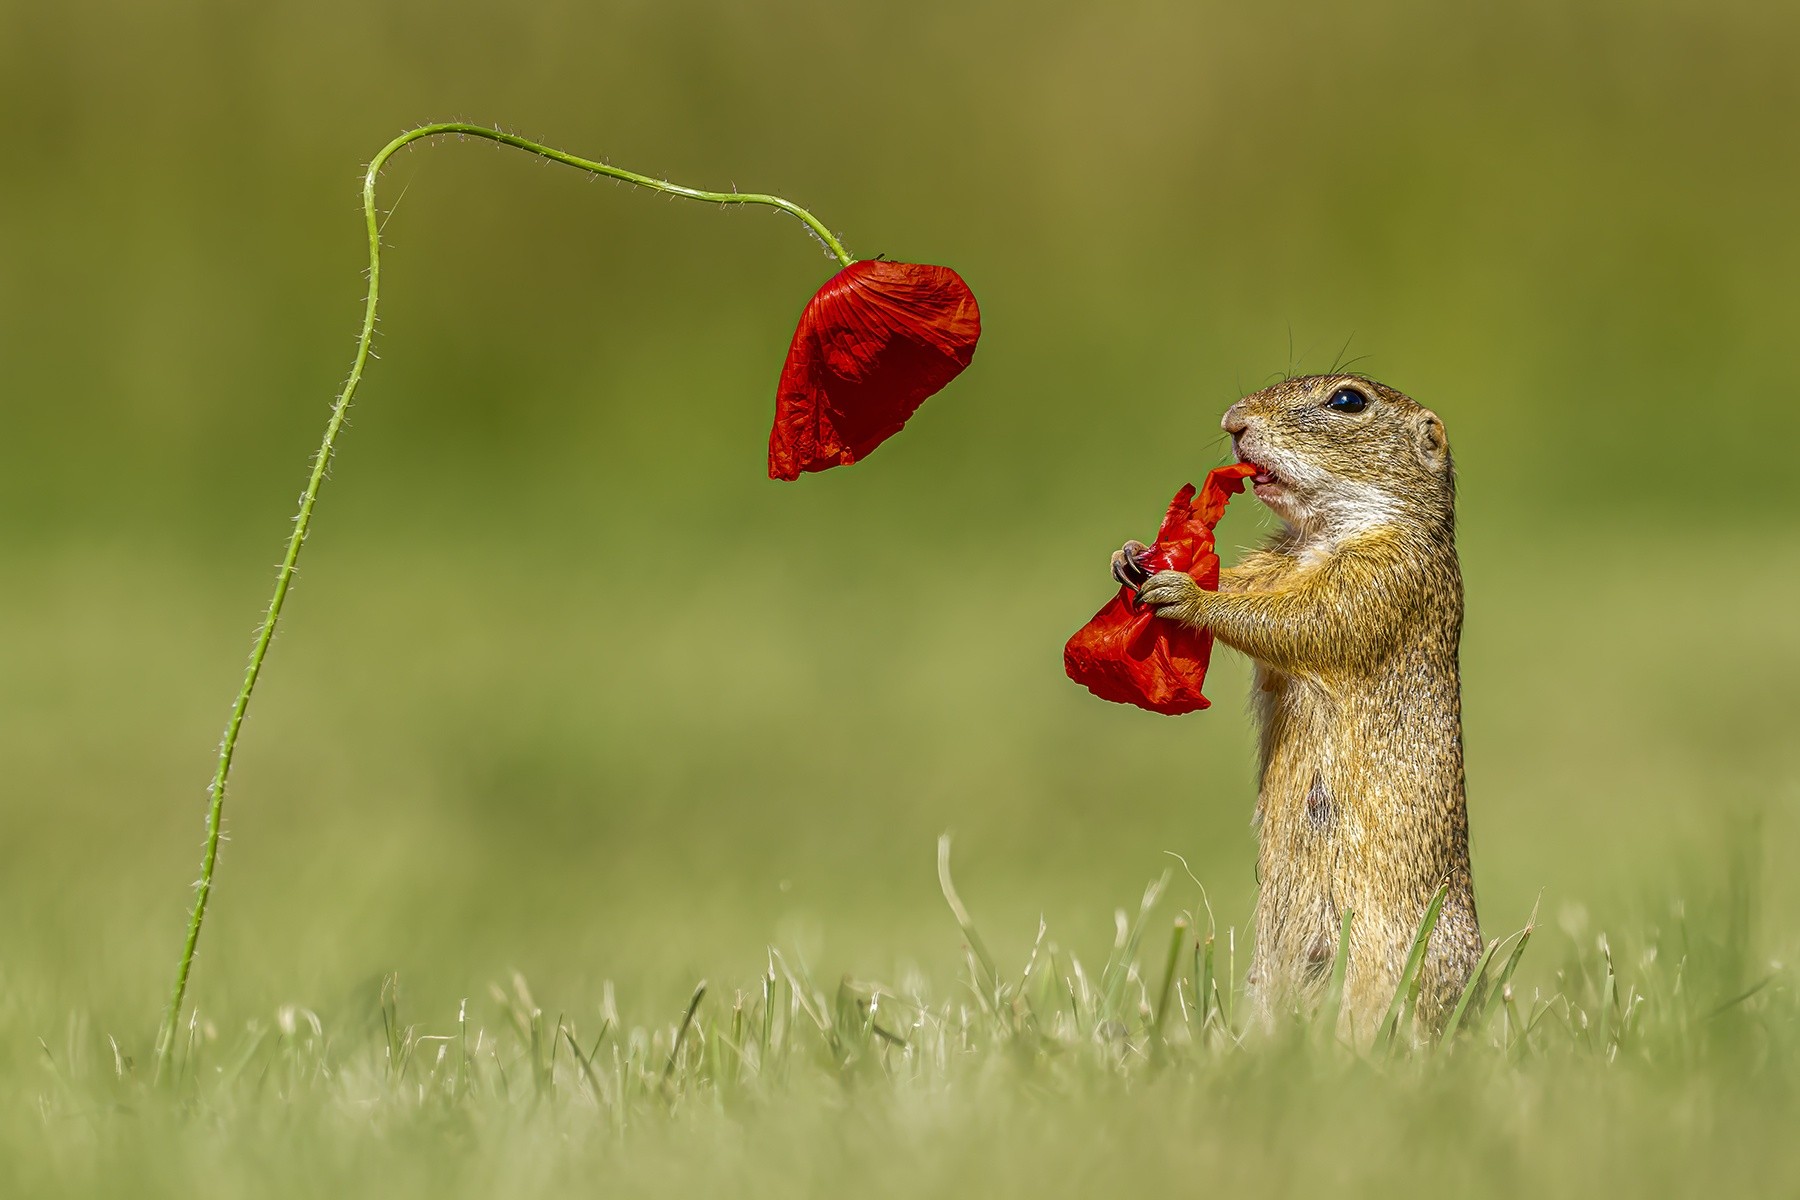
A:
(583, 164)
(284, 576)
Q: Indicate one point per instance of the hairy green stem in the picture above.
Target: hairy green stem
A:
(284, 576)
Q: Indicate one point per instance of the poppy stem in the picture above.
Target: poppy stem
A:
(595, 168)
(284, 576)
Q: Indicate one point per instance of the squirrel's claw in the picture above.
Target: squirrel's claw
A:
(1169, 593)
(1128, 564)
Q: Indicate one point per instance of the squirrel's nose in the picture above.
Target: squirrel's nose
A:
(1234, 421)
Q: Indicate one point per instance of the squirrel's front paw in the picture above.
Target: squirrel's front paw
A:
(1173, 594)
(1128, 564)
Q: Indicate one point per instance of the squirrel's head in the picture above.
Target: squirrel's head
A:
(1341, 453)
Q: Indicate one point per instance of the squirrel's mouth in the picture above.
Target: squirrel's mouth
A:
(1267, 484)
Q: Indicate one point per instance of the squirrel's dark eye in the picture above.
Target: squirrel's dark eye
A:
(1347, 400)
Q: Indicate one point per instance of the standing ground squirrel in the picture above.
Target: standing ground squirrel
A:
(1352, 615)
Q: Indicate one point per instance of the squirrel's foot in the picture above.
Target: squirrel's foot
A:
(1173, 594)
(1128, 564)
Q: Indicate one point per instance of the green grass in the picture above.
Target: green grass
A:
(1049, 1076)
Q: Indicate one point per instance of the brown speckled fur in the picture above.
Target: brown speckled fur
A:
(1353, 614)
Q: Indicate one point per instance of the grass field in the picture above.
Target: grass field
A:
(569, 694)
(1662, 1063)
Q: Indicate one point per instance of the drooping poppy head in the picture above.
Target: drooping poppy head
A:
(872, 345)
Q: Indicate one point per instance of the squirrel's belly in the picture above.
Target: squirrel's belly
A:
(1359, 811)
(1304, 826)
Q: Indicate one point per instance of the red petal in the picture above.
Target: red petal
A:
(1127, 654)
(1217, 489)
(872, 345)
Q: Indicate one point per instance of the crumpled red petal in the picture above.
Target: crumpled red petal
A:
(871, 346)
(1127, 654)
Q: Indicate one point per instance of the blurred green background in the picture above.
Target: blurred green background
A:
(568, 686)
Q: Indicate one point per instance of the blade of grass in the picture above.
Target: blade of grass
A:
(687, 1023)
(1228, 998)
(990, 983)
(1119, 966)
(1470, 990)
(1406, 992)
(1340, 969)
(1178, 936)
(1506, 973)
(587, 1067)
(767, 1036)
(1609, 993)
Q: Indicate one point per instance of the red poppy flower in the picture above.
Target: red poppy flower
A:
(872, 345)
(1127, 654)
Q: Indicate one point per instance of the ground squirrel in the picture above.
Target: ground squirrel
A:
(1352, 615)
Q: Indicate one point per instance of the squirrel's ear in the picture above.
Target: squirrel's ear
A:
(1429, 442)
